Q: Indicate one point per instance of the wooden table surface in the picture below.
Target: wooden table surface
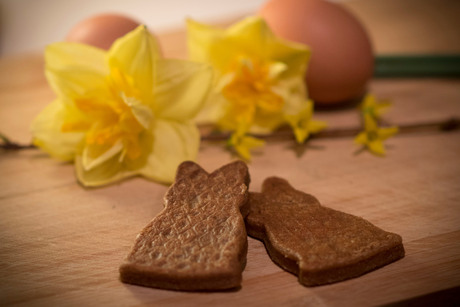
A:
(61, 244)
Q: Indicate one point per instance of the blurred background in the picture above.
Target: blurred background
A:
(29, 25)
(419, 26)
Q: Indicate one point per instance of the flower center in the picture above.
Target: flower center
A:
(110, 120)
(251, 89)
(372, 135)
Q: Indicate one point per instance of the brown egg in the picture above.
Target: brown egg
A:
(342, 60)
(101, 30)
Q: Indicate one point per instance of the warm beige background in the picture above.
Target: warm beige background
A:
(408, 26)
(28, 25)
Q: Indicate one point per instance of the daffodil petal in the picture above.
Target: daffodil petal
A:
(181, 88)
(245, 39)
(249, 37)
(257, 39)
(220, 47)
(277, 69)
(90, 159)
(295, 56)
(253, 33)
(173, 143)
(105, 173)
(48, 135)
(114, 168)
(141, 112)
(265, 123)
(135, 55)
(293, 91)
(67, 54)
(75, 70)
(200, 37)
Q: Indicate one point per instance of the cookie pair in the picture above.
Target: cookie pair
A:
(199, 241)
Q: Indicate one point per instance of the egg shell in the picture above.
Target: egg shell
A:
(342, 60)
(101, 30)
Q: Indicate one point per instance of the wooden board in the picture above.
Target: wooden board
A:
(61, 244)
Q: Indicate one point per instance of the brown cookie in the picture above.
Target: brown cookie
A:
(318, 244)
(198, 241)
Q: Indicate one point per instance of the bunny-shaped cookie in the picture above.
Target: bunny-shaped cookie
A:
(318, 244)
(198, 241)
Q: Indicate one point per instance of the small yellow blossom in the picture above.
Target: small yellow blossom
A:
(243, 143)
(259, 78)
(303, 124)
(374, 108)
(121, 112)
(373, 136)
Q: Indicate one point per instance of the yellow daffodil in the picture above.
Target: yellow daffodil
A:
(375, 108)
(373, 136)
(121, 112)
(303, 124)
(259, 77)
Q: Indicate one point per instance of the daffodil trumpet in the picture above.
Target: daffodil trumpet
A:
(122, 112)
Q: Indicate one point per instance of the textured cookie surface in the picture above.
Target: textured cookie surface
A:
(318, 244)
(198, 241)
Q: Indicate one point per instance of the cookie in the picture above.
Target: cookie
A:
(318, 244)
(198, 242)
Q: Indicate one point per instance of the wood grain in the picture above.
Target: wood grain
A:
(61, 244)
